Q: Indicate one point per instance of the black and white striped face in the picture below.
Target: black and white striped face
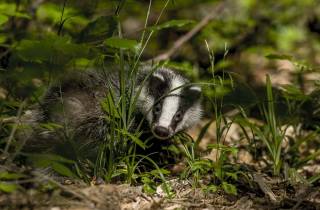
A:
(169, 104)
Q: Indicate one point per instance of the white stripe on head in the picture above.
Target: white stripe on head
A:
(169, 108)
(145, 104)
(171, 103)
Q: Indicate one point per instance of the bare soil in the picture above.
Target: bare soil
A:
(264, 194)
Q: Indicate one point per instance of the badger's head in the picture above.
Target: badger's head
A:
(169, 104)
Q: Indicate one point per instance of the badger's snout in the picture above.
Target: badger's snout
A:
(161, 132)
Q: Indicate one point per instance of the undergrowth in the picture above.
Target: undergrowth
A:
(120, 157)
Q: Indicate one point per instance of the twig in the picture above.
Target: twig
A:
(79, 195)
(8, 120)
(265, 188)
(182, 40)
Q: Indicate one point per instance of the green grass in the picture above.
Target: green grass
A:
(119, 157)
(272, 134)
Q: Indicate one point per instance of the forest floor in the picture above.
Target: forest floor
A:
(260, 191)
(73, 196)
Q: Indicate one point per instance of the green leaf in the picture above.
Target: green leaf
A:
(229, 188)
(7, 7)
(5, 175)
(171, 24)
(50, 12)
(3, 19)
(82, 63)
(119, 43)
(149, 189)
(99, 29)
(201, 165)
(234, 176)
(133, 138)
(146, 180)
(34, 51)
(18, 14)
(157, 172)
(8, 188)
(51, 50)
(49, 158)
(223, 148)
(223, 64)
(166, 187)
(174, 149)
(3, 38)
(53, 161)
(279, 57)
(219, 91)
(210, 188)
(10, 9)
(62, 169)
(184, 67)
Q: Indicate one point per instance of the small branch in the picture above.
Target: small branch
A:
(182, 40)
(265, 188)
(77, 194)
(8, 120)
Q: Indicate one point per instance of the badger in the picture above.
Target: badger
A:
(175, 105)
(167, 101)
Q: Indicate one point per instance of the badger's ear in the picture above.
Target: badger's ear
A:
(194, 92)
(156, 82)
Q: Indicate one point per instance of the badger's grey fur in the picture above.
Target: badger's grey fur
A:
(166, 101)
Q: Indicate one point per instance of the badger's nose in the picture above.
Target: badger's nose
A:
(161, 132)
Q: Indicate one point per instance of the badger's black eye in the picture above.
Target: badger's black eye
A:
(157, 109)
(178, 116)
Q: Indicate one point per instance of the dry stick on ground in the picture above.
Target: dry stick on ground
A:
(77, 194)
(182, 40)
(265, 188)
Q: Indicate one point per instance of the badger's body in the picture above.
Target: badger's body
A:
(166, 100)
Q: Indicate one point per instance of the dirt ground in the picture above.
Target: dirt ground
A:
(257, 191)
(265, 194)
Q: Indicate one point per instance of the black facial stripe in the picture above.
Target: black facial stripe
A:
(157, 116)
(174, 123)
(158, 90)
(185, 102)
(189, 98)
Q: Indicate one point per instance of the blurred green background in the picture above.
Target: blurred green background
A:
(41, 39)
